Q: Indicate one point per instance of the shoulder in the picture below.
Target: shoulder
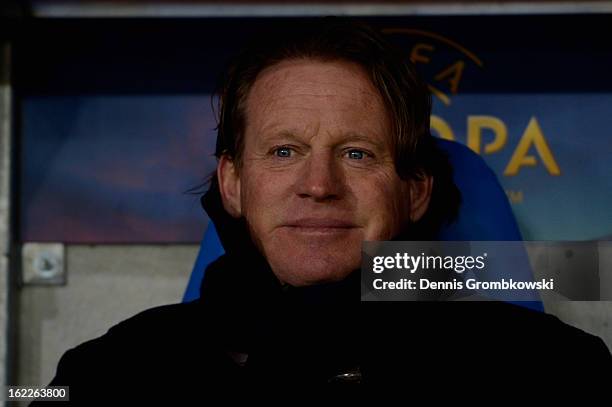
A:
(158, 338)
(519, 322)
(492, 332)
(498, 343)
(547, 340)
(161, 324)
(150, 355)
(160, 319)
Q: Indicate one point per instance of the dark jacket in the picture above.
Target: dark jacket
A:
(250, 335)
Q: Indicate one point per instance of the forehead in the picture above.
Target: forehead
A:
(299, 91)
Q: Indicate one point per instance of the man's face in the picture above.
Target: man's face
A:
(318, 175)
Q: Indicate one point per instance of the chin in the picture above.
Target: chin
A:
(302, 270)
(306, 257)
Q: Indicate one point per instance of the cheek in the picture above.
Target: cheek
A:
(254, 194)
(383, 203)
(262, 190)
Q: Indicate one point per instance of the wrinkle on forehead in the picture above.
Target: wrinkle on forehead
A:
(303, 78)
(270, 76)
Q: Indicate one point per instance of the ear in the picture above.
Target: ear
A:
(420, 195)
(229, 186)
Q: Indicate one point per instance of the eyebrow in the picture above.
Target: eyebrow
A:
(352, 136)
(284, 135)
(346, 138)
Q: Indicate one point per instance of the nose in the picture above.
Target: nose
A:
(321, 178)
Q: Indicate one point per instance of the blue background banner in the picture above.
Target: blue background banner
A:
(115, 118)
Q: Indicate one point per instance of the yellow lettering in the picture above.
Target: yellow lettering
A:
(515, 197)
(474, 136)
(417, 56)
(441, 127)
(532, 136)
(440, 95)
(453, 73)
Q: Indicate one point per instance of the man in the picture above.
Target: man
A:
(323, 142)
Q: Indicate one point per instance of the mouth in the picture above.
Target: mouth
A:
(320, 226)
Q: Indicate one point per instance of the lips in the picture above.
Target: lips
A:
(319, 226)
(320, 223)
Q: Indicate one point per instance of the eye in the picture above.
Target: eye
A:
(283, 152)
(356, 154)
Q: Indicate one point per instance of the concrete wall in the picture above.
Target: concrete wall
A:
(106, 284)
(5, 209)
(594, 317)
